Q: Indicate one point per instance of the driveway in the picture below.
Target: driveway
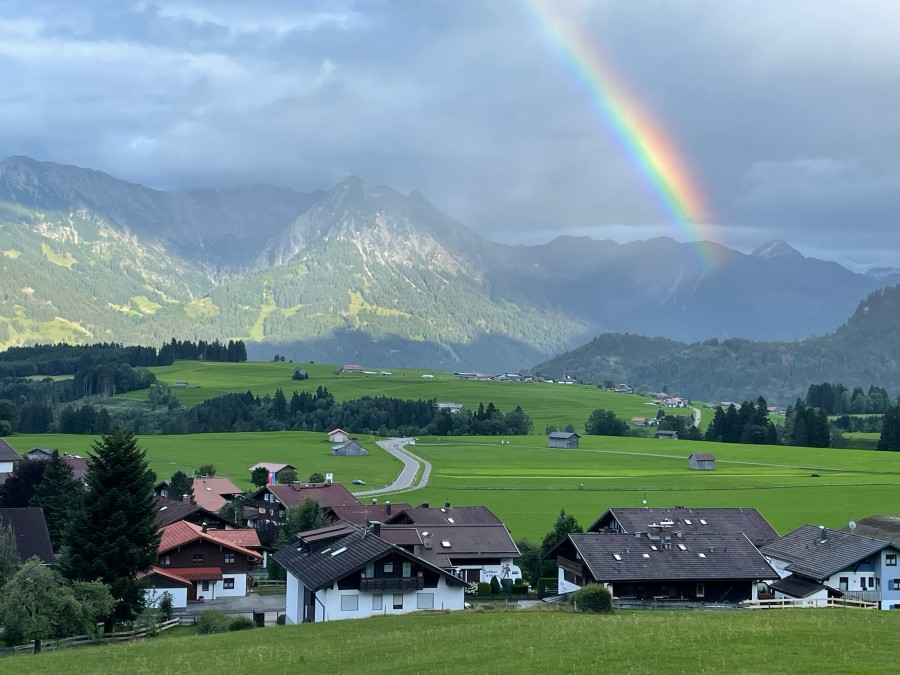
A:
(271, 605)
(405, 482)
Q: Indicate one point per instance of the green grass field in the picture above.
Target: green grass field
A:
(233, 454)
(779, 641)
(545, 403)
(526, 483)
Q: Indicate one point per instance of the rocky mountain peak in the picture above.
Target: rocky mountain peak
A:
(776, 248)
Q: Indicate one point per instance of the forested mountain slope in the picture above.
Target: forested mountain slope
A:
(863, 351)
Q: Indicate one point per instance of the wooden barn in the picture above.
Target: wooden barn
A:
(562, 439)
(702, 461)
(350, 448)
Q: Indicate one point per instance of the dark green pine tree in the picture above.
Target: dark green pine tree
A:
(890, 429)
(114, 536)
(59, 495)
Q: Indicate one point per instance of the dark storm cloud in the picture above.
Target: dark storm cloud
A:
(786, 115)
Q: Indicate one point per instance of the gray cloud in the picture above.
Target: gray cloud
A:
(785, 113)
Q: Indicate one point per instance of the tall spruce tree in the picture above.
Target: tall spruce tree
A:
(114, 535)
(890, 430)
(59, 495)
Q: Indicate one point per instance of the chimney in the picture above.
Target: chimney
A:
(329, 478)
(426, 540)
(387, 508)
(185, 499)
(447, 504)
(424, 505)
(204, 527)
(376, 529)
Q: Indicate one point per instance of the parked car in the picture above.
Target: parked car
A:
(358, 482)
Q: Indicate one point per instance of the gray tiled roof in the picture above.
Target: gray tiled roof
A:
(797, 587)
(458, 515)
(7, 454)
(625, 557)
(30, 530)
(486, 541)
(322, 562)
(718, 521)
(818, 553)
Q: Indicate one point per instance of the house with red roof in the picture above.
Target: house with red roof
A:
(196, 563)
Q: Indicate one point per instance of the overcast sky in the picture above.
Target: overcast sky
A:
(787, 114)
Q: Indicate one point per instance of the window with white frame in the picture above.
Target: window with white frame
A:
(165, 560)
(349, 603)
(890, 559)
(425, 601)
(229, 558)
(228, 583)
(398, 600)
(377, 602)
(389, 568)
(197, 558)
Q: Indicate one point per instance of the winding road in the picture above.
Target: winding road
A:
(406, 481)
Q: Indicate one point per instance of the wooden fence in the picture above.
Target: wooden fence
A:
(80, 640)
(785, 603)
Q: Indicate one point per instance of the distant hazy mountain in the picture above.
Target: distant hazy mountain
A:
(364, 273)
(861, 352)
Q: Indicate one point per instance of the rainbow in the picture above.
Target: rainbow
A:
(642, 137)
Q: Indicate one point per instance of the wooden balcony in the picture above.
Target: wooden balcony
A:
(392, 584)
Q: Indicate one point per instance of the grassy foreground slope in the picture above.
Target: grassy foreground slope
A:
(545, 403)
(787, 641)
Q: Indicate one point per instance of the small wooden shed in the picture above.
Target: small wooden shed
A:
(670, 435)
(562, 439)
(702, 461)
(350, 448)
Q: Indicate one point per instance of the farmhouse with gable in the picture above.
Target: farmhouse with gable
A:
(347, 572)
(817, 563)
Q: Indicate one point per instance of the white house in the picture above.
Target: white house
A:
(816, 563)
(8, 458)
(348, 572)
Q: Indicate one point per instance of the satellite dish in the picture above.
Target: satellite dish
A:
(852, 525)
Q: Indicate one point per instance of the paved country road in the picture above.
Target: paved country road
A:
(411, 464)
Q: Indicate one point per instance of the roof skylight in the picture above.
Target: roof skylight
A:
(344, 548)
(702, 522)
(617, 556)
(687, 521)
(701, 555)
(445, 543)
(647, 555)
(682, 547)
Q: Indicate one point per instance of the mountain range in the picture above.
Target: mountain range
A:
(362, 273)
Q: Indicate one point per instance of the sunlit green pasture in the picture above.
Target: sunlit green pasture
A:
(545, 403)
(234, 453)
(527, 484)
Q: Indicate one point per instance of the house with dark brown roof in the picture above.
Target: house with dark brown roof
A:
(347, 572)
(170, 511)
(362, 513)
(212, 560)
(272, 501)
(687, 520)
(78, 464)
(816, 563)
(29, 529)
(707, 568)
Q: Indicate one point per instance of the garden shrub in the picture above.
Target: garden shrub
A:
(241, 623)
(506, 585)
(212, 621)
(484, 589)
(495, 586)
(593, 598)
(280, 620)
(545, 583)
(519, 589)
